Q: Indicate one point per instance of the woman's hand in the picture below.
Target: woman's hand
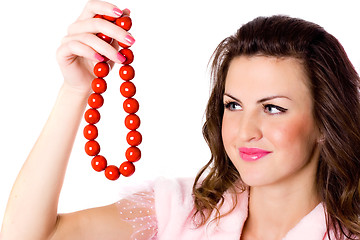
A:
(81, 48)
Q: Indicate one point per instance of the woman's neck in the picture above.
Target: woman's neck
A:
(277, 208)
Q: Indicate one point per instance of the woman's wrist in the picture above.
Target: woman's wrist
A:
(82, 92)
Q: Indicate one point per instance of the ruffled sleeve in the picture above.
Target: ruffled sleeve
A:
(160, 210)
(139, 211)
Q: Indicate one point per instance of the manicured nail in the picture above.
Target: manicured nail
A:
(130, 39)
(121, 57)
(127, 10)
(118, 12)
(99, 57)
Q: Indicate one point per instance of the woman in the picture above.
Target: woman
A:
(281, 123)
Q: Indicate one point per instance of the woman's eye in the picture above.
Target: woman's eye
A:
(232, 106)
(273, 109)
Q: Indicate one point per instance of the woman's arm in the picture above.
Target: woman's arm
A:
(92, 224)
(32, 207)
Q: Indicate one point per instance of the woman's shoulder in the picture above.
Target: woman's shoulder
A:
(179, 189)
(165, 195)
(153, 205)
(173, 197)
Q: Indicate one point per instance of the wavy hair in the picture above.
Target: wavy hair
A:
(334, 85)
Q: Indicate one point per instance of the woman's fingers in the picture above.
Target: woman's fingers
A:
(81, 48)
(84, 31)
(69, 52)
(94, 7)
(116, 46)
(96, 45)
(96, 25)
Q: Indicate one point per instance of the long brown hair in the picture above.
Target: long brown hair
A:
(335, 86)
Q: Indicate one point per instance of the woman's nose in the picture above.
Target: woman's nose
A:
(249, 127)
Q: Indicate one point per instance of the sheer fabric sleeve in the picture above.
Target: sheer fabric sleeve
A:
(139, 211)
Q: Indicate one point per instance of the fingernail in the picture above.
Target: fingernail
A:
(118, 11)
(99, 57)
(127, 10)
(121, 57)
(130, 39)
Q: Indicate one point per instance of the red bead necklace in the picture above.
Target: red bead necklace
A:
(130, 105)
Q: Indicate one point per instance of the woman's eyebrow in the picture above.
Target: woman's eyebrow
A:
(230, 96)
(272, 97)
(259, 101)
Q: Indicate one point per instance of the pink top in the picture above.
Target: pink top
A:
(163, 211)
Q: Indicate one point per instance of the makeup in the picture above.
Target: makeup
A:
(252, 154)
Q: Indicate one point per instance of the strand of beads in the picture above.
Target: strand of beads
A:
(130, 105)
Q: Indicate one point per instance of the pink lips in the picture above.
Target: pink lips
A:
(252, 154)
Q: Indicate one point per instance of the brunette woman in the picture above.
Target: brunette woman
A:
(282, 124)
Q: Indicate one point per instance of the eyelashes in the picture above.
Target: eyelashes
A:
(268, 108)
(232, 106)
(274, 109)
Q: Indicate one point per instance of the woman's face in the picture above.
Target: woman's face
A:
(268, 130)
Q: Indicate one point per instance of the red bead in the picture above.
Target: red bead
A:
(101, 69)
(128, 54)
(99, 163)
(111, 19)
(90, 132)
(99, 85)
(92, 148)
(112, 172)
(95, 100)
(124, 22)
(92, 116)
(105, 38)
(131, 105)
(127, 169)
(127, 72)
(133, 138)
(133, 154)
(132, 121)
(127, 89)
(123, 45)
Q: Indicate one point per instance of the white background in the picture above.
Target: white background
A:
(174, 41)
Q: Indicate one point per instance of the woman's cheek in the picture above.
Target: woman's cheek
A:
(290, 132)
(228, 132)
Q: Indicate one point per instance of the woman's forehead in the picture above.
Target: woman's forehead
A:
(262, 75)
